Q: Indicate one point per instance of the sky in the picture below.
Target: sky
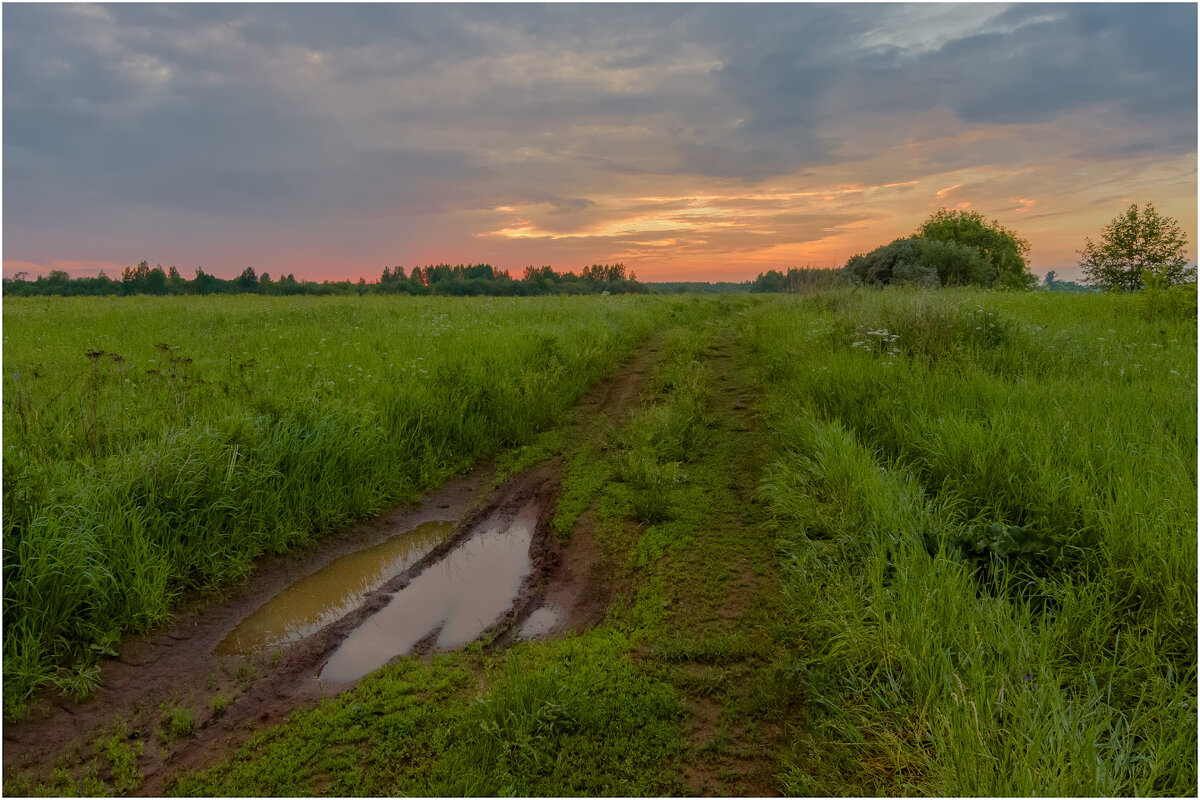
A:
(690, 142)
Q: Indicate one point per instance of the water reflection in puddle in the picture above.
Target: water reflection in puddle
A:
(541, 622)
(464, 594)
(315, 601)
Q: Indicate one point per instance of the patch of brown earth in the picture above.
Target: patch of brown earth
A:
(729, 756)
(573, 592)
(613, 399)
(707, 776)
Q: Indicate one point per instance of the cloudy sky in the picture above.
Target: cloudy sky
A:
(705, 142)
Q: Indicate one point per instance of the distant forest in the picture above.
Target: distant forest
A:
(439, 279)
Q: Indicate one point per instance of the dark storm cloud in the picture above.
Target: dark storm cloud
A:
(1142, 59)
(70, 76)
(82, 107)
(1029, 63)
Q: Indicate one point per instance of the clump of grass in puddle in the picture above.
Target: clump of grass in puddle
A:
(122, 755)
(178, 722)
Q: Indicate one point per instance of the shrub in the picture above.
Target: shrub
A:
(876, 267)
(916, 273)
(922, 262)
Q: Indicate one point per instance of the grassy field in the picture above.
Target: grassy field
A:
(153, 446)
(863, 542)
(988, 526)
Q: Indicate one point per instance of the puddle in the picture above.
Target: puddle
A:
(459, 597)
(322, 598)
(541, 622)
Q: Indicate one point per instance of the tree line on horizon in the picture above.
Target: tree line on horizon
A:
(437, 279)
(1139, 249)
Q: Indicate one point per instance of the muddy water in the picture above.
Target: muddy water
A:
(458, 598)
(323, 597)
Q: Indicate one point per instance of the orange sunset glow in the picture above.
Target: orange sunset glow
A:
(706, 142)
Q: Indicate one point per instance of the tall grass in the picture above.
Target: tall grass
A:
(988, 515)
(158, 445)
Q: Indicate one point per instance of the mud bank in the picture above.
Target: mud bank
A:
(323, 597)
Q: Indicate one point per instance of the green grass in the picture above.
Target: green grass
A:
(155, 446)
(988, 530)
(576, 718)
(178, 722)
(219, 704)
(122, 755)
(114, 751)
(863, 542)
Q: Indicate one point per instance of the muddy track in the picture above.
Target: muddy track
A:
(746, 765)
(176, 666)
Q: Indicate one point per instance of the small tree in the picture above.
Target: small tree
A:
(1137, 243)
(770, 281)
(143, 279)
(175, 282)
(205, 283)
(247, 281)
(58, 279)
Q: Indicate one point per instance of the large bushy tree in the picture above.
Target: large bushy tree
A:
(1138, 244)
(1006, 250)
(922, 262)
